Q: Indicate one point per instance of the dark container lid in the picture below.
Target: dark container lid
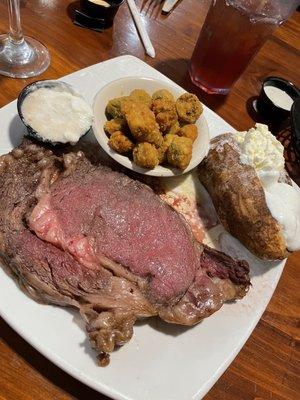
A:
(96, 17)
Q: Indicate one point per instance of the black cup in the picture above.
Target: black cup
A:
(265, 105)
(295, 126)
(94, 12)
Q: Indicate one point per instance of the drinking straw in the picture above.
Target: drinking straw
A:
(141, 28)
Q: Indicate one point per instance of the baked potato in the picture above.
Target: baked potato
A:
(239, 199)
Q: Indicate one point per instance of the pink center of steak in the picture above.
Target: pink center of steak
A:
(106, 215)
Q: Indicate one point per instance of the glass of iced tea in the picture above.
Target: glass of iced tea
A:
(233, 32)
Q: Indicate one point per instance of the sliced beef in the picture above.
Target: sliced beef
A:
(83, 235)
(95, 213)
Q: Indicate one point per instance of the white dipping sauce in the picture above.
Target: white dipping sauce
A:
(279, 97)
(102, 3)
(56, 114)
(283, 202)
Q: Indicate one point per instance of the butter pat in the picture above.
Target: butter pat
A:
(261, 149)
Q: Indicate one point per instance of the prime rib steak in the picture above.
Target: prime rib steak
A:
(82, 235)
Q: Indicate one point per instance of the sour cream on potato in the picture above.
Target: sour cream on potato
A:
(265, 153)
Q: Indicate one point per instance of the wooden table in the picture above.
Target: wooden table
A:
(268, 365)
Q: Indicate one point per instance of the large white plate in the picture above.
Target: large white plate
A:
(161, 362)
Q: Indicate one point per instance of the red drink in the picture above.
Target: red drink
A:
(230, 37)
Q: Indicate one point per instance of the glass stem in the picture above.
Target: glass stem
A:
(15, 29)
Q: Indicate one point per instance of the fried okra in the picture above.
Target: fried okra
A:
(140, 96)
(165, 113)
(115, 124)
(142, 124)
(190, 131)
(146, 155)
(120, 143)
(174, 129)
(188, 108)
(179, 153)
(125, 105)
(162, 94)
(165, 120)
(113, 108)
(162, 150)
(161, 105)
(155, 129)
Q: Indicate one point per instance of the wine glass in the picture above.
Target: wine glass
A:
(21, 56)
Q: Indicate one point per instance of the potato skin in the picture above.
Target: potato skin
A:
(239, 200)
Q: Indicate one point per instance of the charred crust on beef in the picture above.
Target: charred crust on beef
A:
(103, 359)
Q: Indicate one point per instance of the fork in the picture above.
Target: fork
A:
(168, 5)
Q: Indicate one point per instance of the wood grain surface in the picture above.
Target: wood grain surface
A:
(268, 367)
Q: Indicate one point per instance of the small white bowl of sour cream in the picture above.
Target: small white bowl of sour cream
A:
(53, 112)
